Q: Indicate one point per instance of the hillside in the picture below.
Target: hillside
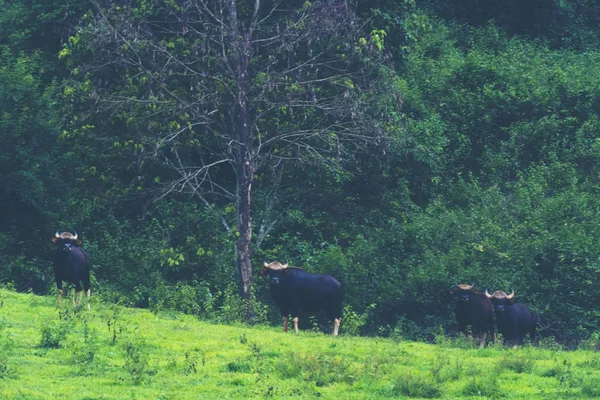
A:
(112, 352)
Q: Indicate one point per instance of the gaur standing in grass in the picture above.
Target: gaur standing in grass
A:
(295, 290)
(72, 265)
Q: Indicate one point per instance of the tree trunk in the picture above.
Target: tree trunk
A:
(244, 256)
(245, 173)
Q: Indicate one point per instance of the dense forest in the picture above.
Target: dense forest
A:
(400, 146)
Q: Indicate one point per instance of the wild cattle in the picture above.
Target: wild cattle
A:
(474, 313)
(72, 265)
(295, 290)
(513, 320)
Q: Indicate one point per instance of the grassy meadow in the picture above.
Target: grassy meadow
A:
(112, 352)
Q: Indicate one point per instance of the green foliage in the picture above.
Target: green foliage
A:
(324, 370)
(54, 333)
(137, 361)
(417, 385)
(196, 299)
(483, 386)
(353, 322)
(517, 364)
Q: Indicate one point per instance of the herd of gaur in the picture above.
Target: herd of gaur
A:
(297, 291)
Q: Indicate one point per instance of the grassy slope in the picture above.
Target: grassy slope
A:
(175, 356)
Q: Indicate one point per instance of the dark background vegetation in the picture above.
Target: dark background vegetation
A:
(489, 173)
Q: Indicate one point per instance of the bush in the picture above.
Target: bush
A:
(136, 361)
(417, 385)
(352, 321)
(54, 333)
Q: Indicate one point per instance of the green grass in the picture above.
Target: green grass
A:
(113, 352)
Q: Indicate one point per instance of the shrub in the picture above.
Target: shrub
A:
(323, 370)
(417, 385)
(518, 364)
(353, 321)
(54, 333)
(486, 386)
(136, 361)
(590, 386)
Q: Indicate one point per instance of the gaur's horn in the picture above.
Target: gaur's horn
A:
(74, 235)
(265, 264)
(512, 293)
(57, 235)
(489, 296)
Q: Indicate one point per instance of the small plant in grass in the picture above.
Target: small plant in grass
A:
(243, 338)
(517, 364)
(559, 369)
(590, 386)
(136, 361)
(323, 370)
(418, 385)
(485, 385)
(592, 343)
(593, 362)
(54, 333)
(4, 368)
(549, 343)
(241, 366)
(442, 370)
(113, 322)
(353, 321)
(193, 362)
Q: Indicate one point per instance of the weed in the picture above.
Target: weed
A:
(242, 366)
(193, 362)
(592, 343)
(518, 364)
(136, 361)
(549, 343)
(559, 370)
(113, 323)
(483, 385)
(353, 321)
(5, 371)
(418, 385)
(590, 386)
(243, 338)
(442, 370)
(54, 333)
(255, 348)
(323, 370)
(593, 363)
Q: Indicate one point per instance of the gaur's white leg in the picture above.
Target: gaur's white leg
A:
(285, 323)
(79, 297)
(482, 343)
(88, 295)
(295, 320)
(60, 298)
(336, 326)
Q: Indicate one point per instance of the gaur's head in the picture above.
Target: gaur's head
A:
(501, 300)
(464, 291)
(65, 241)
(276, 271)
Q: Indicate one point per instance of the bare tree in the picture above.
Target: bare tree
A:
(216, 90)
